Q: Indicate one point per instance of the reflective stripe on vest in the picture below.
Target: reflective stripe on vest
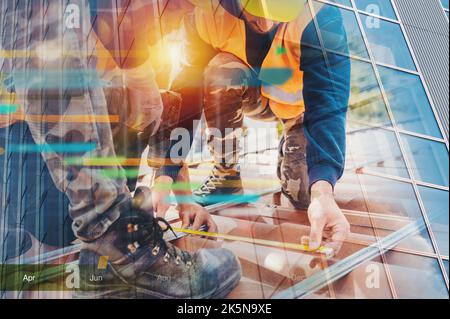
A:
(282, 96)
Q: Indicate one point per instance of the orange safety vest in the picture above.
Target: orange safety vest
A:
(280, 71)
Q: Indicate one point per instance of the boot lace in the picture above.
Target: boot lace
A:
(152, 233)
(211, 184)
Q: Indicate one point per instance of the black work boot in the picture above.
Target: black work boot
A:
(221, 186)
(151, 267)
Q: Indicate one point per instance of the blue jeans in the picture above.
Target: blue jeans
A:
(29, 200)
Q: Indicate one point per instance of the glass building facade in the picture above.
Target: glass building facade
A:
(397, 147)
(395, 137)
(445, 6)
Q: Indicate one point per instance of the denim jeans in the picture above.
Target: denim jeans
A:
(32, 201)
(63, 100)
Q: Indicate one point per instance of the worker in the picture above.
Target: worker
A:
(269, 64)
(147, 114)
(109, 223)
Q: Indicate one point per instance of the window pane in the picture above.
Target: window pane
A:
(385, 196)
(429, 160)
(413, 277)
(424, 272)
(408, 101)
(354, 37)
(377, 7)
(343, 2)
(396, 199)
(366, 103)
(376, 150)
(437, 207)
(354, 285)
(377, 196)
(309, 36)
(387, 42)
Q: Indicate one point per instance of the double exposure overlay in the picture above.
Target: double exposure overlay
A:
(240, 149)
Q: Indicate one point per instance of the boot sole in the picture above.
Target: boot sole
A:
(142, 293)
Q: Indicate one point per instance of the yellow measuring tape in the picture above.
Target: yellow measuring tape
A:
(328, 252)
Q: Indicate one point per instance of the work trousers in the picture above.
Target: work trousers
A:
(232, 90)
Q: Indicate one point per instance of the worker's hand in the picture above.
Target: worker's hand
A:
(329, 227)
(172, 102)
(161, 194)
(144, 110)
(145, 106)
(197, 216)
